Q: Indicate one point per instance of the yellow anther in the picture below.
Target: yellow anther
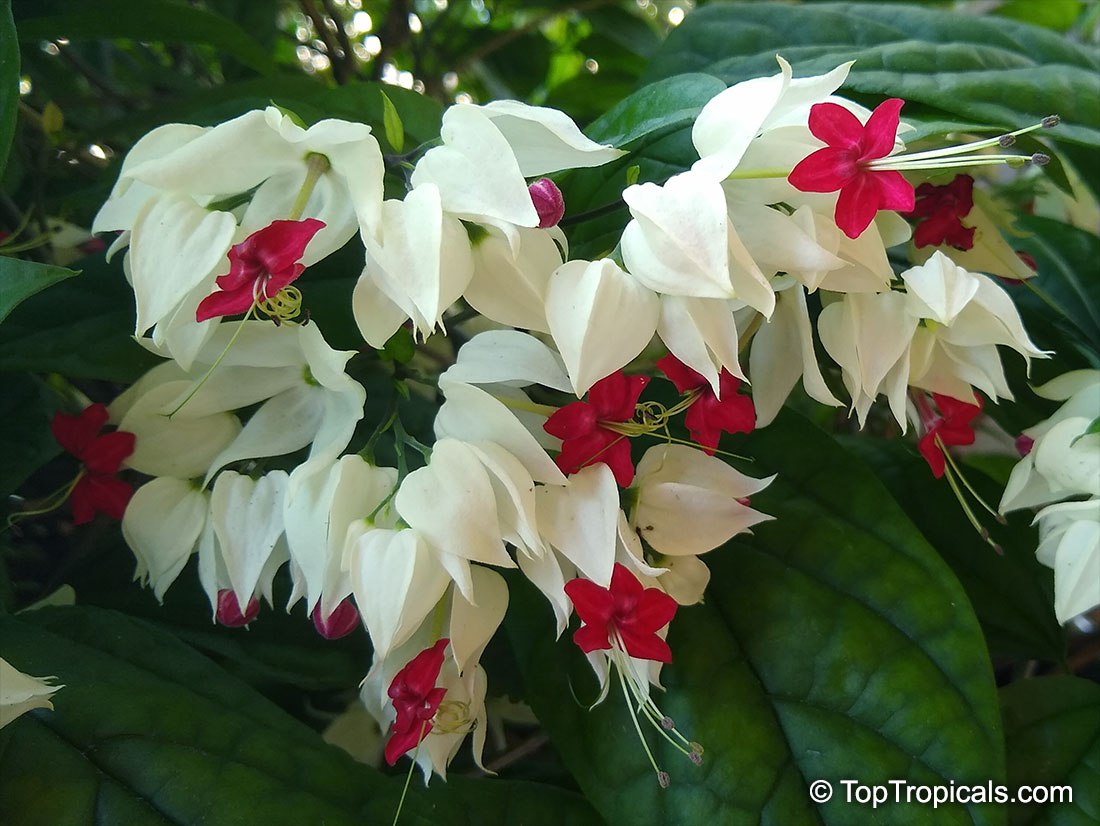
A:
(284, 306)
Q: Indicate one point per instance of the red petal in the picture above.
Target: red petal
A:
(653, 612)
(107, 494)
(825, 170)
(932, 453)
(646, 646)
(590, 449)
(419, 675)
(857, 205)
(835, 125)
(81, 502)
(228, 612)
(593, 602)
(405, 742)
(881, 130)
(226, 302)
(281, 244)
(572, 421)
(680, 374)
(895, 192)
(625, 587)
(106, 452)
(617, 457)
(75, 433)
(591, 638)
(614, 397)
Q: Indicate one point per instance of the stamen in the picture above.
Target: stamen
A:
(284, 306)
(966, 482)
(48, 503)
(214, 366)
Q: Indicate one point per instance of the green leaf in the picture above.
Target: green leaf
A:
(167, 21)
(1013, 593)
(986, 68)
(20, 280)
(1059, 15)
(146, 731)
(26, 443)
(833, 643)
(395, 132)
(1067, 278)
(9, 82)
(654, 124)
(53, 331)
(1052, 737)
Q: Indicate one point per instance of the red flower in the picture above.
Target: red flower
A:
(625, 612)
(943, 208)
(416, 699)
(228, 611)
(260, 266)
(951, 428)
(97, 489)
(585, 439)
(844, 164)
(342, 621)
(709, 416)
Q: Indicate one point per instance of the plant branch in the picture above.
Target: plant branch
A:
(337, 57)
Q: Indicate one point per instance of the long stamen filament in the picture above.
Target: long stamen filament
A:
(902, 164)
(49, 503)
(966, 483)
(408, 777)
(974, 146)
(214, 366)
(662, 777)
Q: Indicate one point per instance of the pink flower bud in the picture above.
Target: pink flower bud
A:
(229, 611)
(342, 621)
(548, 201)
(1024, 444)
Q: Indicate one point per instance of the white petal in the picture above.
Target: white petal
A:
(475, 170)
(376, 316)
(600, 319)
(451, 504)
(545, 140)
(474, 623)
(175, 244)
(162, 525)
(545, 572)
(938, 289)
(20, 693)
(678, 241)
(247, 517)
(581, 520)
(511, 288)
(508, 357)
(701, 333)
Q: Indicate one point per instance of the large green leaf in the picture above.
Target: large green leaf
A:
(833, 644)
(1012, 594)
(1052, 738)
(1067, 279)
(26, 443)
(9, 81)
(148, 732)
(654, 124)
(81, 328)
(992, 69)
(168, 21)
(20, 280)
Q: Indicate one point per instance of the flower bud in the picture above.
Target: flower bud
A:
(1024, 444)
(229, 611)
(342, 621)
(548, 201)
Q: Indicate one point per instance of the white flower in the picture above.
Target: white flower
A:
(545, 140)
(20, 693)
(733, 119)
(162, 525)
(242, 545)
(688, 503)
(1069, 542)
(509, 281)
(600, 318)
(321, 505)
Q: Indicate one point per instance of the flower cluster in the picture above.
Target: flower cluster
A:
(557, 451)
